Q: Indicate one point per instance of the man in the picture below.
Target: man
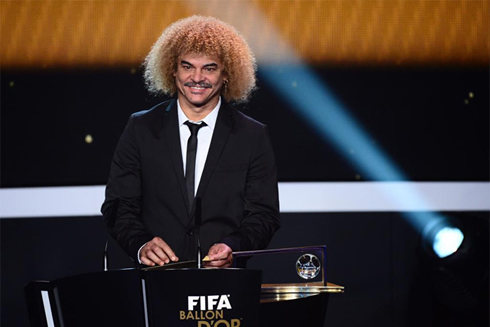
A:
(155, 195)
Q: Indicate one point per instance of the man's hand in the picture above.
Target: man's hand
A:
(220, 256)
(157, 252)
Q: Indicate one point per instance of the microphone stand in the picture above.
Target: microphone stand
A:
(198, 231)
(106, 256)
(110, 224)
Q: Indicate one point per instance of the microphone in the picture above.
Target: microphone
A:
(198, 217)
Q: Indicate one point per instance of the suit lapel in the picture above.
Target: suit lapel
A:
(222, 130)
(172, 138)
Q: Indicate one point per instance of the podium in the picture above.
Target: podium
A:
(133, 297)
(175, 296)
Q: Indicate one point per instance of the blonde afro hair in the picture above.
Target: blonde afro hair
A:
(202, 35)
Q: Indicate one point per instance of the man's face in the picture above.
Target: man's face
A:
(199, 79)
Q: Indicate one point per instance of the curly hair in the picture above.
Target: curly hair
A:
(202, 35)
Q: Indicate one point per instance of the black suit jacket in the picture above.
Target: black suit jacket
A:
(146, 192)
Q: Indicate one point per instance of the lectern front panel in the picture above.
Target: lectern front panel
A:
(203, 297)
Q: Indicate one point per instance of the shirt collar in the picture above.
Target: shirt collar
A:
(210, 119)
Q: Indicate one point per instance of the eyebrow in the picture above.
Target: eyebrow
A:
(212, 64)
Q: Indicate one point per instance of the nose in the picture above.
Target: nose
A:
(196, 76)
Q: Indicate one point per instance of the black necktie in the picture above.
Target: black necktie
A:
(190, 167)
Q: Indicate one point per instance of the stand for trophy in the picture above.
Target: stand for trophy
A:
(294, 288)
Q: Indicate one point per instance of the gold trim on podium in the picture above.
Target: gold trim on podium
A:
(293, 291)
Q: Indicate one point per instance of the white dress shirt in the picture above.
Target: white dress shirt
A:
(204, 137)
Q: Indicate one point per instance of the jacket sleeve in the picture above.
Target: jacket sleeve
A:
(261, 210)
(121, 208)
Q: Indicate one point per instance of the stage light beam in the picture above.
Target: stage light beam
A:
(282, 68)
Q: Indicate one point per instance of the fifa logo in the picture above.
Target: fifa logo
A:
(209, 311)
(208, 302)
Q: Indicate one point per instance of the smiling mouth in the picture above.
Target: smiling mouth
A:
(198, 86)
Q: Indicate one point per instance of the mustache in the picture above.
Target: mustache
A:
(201, 84)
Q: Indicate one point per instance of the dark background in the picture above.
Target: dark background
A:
(418, 116)
(424, 119)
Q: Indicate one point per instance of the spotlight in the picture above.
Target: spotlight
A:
(455, 257)
(444, 240)
(447, 241)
